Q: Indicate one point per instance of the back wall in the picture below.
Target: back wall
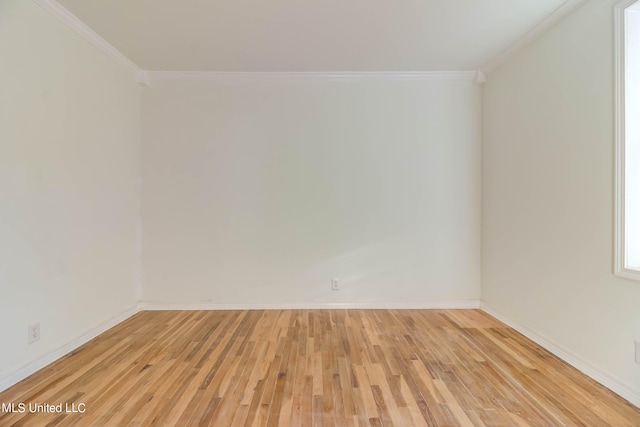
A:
(260, 191)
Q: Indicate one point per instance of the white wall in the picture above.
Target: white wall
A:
(548, 196)
(261, 191)
(69, 184)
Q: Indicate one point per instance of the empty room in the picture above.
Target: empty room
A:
(320, 213)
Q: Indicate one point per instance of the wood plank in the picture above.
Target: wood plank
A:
(316, 367)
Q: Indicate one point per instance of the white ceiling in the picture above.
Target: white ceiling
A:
(311, 35)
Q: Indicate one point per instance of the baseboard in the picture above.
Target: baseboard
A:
(50, 357)
(623, 390)
(465, 304)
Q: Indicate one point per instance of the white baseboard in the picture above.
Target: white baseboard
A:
(613, 384)
(50, 357)
(465, 304)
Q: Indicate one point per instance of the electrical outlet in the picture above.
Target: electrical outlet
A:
(34, 333)
(638, 352)
(335, 286)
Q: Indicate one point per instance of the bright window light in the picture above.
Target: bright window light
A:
(627, 257)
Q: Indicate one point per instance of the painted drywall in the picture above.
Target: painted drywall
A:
(547, 242)
(260, 191)
(69, 180)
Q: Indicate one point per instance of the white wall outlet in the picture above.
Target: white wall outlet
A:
(638, 352)
(34, 333)
(335, 286)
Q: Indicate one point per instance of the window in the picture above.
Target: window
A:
(627, 50)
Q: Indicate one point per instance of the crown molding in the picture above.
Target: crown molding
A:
(310, 75)
(144, 77)
(70, 20)
(480, 78)
(556, 16)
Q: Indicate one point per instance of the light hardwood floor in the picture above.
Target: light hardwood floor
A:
(315, 368)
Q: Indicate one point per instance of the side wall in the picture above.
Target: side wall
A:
(69, 180)
(259, 192)
(548, 146)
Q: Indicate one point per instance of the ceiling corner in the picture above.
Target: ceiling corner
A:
(71, 21)
(556, 16)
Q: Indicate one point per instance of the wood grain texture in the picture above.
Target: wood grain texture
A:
(314, 368)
